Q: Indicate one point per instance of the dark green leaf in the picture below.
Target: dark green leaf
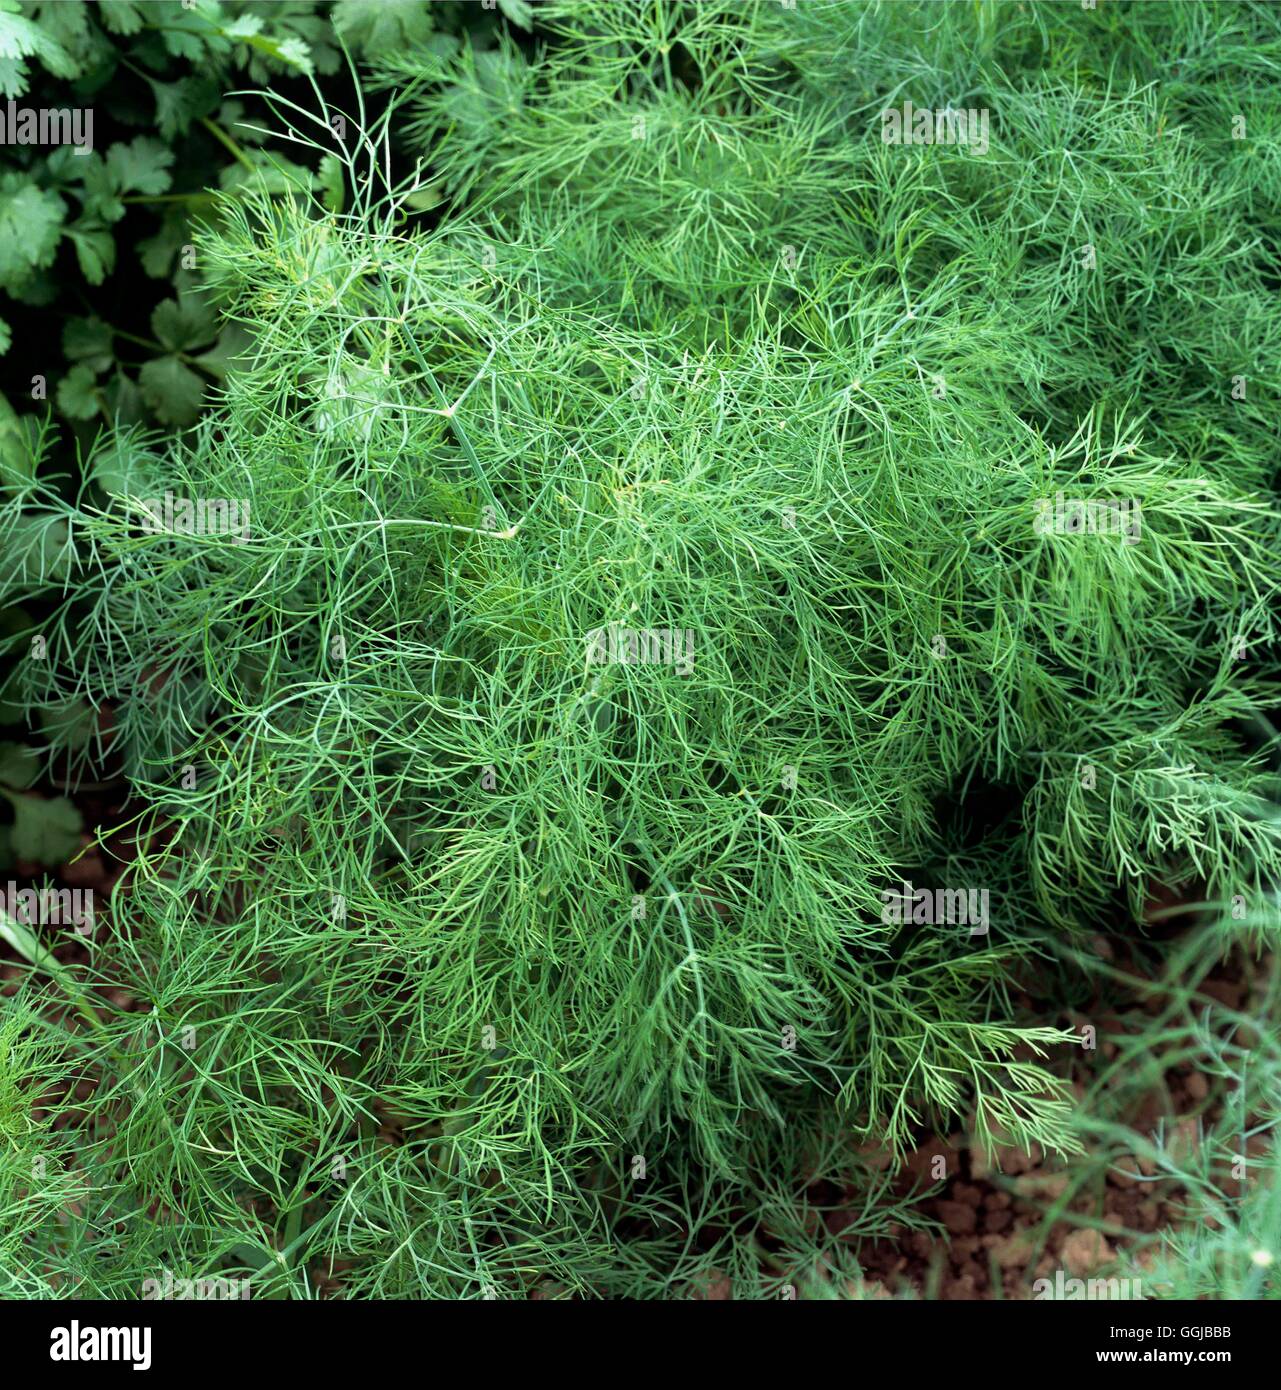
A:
(88, 341)
(183, 324)
(19, 766)
(142, 166)
(17, 462)
(95, 250)
(78, 393)
(172, 390)
(44, 831)
(30, 225)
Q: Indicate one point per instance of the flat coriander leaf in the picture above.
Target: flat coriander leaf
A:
(242, 28)
(120, 16)
(158, 251)
(172, 390)
(88, 341)
(187, 32)
(19, 766)
(180, 103)
(270, 173)
(382, 26)
(17, 461)
(124, 401)
(291, 52)
(95, 250)
(101, 194)
(30, 225)
(519, 12)
(294, 53)
(141, 166)
(66, 25)
(78, 393)
(232, 116)
(333, 182)
(22, 38)
(233, 342)
(183, 323)
(45, 831)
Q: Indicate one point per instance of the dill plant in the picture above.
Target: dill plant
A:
(471, 965)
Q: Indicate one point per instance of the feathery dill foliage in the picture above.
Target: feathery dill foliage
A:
(691, 349)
